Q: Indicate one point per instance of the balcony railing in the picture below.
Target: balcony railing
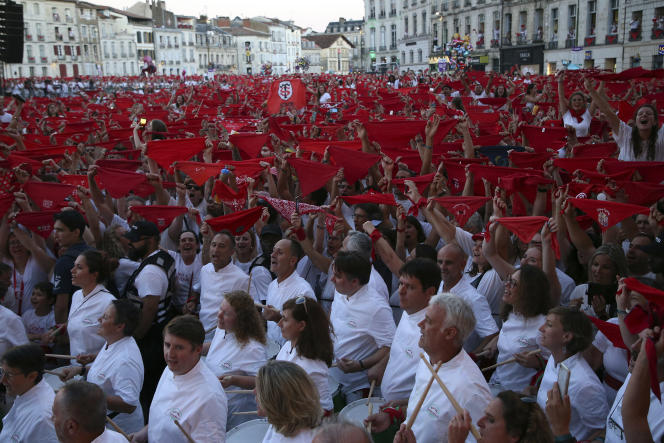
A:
(657, 34)
(552, 45)
(43, 59)
(382, 48)
(589, 41)
(393, 47)
(570, 43)
(31, 59)
(59, 37)
(611, 39)
(69, 20)
(74, 57)
(28, 37)
(381, 14)
(635, 35)
(393, 13)
(56, 17)
(40, 38)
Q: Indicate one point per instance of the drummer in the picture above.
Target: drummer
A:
(237, 351)
(448, 322)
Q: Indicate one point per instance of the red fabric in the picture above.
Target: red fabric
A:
(573, 164)
(286, 91)
(577, 114)
(380, 199)
(125, 165)
(607, 213)
(421, 181)
(74, 179)
(249, 144)
(642, 193)
(462, 207)
(529, 160)
(248, 168)
(41, 223)
(649, 171)
(610, 330)
(524, 227)
(286, 208)
(319, 146)
(356, 164)
(49, 195)
(6, 202)
(394, 133)
(200, 172)
(167, 152)
(597, 150)
(119, 183)
(238, 222)
(312, 175)
(228, 195)
(541, 139)
(160, 215)
(653, 295)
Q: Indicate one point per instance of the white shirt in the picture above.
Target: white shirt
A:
(32, 274)
(12, 332)
(465, 382)
(518, 334)
(118, 370)
(614, 423)
(186, 277)
(615, 361)
(399, 376)
(316, 369)
(624, 140)
(196, 399)
(35, 324)
(580, 127)
(214, 284)
(485, 325)
(589, 406)
(260, 282)
(109, 436)
(305, 436)
(292, 286)
(362, 324)
(29, 419)
(83, 320)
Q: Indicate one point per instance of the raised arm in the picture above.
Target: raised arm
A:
(603, 106)
(502, 267)
(549, 260)
(562, 100)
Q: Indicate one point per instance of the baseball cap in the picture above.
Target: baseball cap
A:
(141, 229)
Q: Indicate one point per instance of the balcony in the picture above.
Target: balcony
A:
(495, 43)
(589, 41)
(507, 41)
(176, 45)
(635, 35)
(372, 16)
(28, 37)
(552, 45)
(393, 47)
(570, 43)
(162, 45)
(372, 49)
(467, 3)
(382, 48)
(611, 39)
(393, 13)
(40, 38)
(69, 20)
(74, 57)
(115, 55)
(43, 59)
(59, 37)
(31, 59)
(56, 17)
(521, 39)
(190, 43)
(72, 37)
(381, 14)
(170, 46)
(657, 34)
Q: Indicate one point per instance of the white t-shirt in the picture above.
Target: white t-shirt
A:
(29, 419)
(624, 140)
(186, 277)
(305, 436)
(465, 382)
(118, 370)
(362, 324)
(399, 376)
(316, 369)
(292, 286)
(196, 399)
(214, 284)
(615, 361)
(109, 436)
(326, 97)
(23, 284)
(83, 321)
(518, 334)
(35, 324)
(580, 127)
(589, 406)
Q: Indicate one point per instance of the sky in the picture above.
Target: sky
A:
(305, 13)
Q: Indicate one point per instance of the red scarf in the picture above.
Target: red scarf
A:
(577, 114)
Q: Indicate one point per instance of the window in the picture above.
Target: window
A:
(592, 18)
(456, 26)
(403, 56)
(382, 37)
(658, 61)
(372, 38)
(424, 22)
(539, 24)
(435, 33)
(467, 25)
(139, 37)
(42, 51)
(393, 39)
(405, 25)
(613, 17)
(414, 24)
(411, 57)
(39, 29)
(445, 34)
(28, 51)
(571, 22)
(419, 56)
(554, 25)
(35, 8)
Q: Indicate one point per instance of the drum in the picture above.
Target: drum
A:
(55, 381)
(358, 410)
(273, 348)
(334, 386)
(253, 430)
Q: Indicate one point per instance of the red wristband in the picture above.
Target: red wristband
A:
(375, 235)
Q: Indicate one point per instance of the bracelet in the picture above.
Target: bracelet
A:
(396, 415)
(375, 235)
(621, 311)
(428, 147)
(361, 364)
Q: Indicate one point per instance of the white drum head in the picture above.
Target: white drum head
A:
(358, 410)
(55, 382)
(250, 431)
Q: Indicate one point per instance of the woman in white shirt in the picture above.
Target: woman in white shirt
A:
(574, 112)
(307, 328)
(526, 301)
(118, 368)
(641, 142)
(288, 398)
(91, 268)
(237, 351)
(567, 333)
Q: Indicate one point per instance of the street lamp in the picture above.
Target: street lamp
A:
(361, 50)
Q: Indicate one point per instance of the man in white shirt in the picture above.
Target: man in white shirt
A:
(362, 321)
(79, 415)
(287, 285)
(12, 332)
(218, 277)
(447, 323)
(452, 261)
(188, 266)
(418, 281)
(29, 419)
(188, 391)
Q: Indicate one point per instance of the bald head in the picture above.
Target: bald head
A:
(452, 261)
(344, 431)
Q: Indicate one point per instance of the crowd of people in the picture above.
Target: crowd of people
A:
(483, 252)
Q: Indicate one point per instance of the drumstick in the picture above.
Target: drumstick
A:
(46, 371)
(511, 360)
(58, 329)
(416, 411)
(241, 391)
(452, 400)
(60, 356)
(117, 428)
(249, 284)
(370, 404)
(246, 413)
(259, 305)
(207, 331)
(186, 434)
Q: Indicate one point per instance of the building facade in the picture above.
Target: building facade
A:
(353, 30)
(381, 34)
(336, 52)
(414, 41)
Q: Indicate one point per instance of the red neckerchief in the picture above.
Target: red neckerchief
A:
(577, 114)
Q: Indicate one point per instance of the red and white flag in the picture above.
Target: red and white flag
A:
(286, 91)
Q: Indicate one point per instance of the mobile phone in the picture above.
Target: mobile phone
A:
(143, 122)
(563, 379)
(606, 291)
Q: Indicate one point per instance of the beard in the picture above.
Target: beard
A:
(137, 254)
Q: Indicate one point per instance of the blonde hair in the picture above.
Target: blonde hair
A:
(288, 396)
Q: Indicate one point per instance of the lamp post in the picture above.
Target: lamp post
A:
(361, 50)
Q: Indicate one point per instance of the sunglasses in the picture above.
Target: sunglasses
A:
(302, 300)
